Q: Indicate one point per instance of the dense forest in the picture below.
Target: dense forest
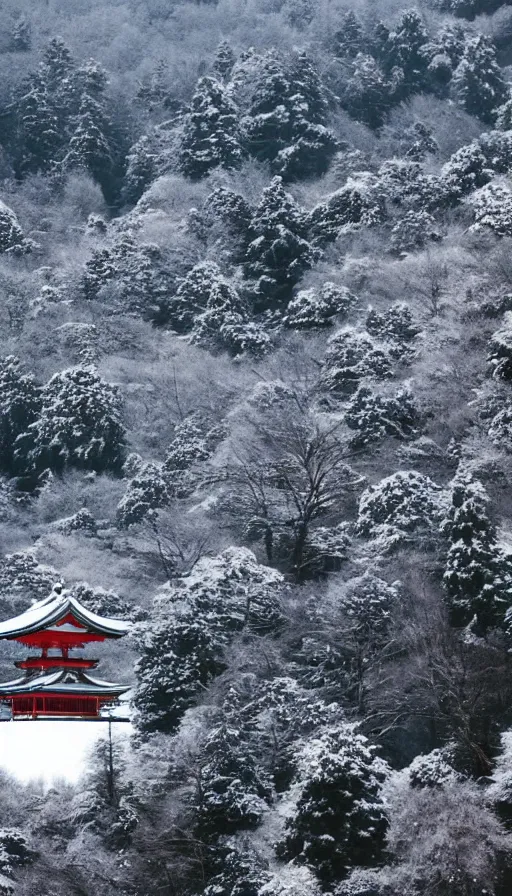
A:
(256, 398)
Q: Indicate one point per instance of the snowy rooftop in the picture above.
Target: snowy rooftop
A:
(63, 681)
(50, 611)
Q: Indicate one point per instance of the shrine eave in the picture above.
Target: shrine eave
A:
(53, 610)
(62, 682)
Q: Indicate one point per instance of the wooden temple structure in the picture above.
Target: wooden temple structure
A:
(54, 684)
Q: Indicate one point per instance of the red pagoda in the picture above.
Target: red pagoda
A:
(54, 684)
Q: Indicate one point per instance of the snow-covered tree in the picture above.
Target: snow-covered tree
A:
(310, 308)
(89, 147)
(350, 357)
(368, 93)
(178, 659)
(286, 113)
(399, 504)
(20, 401)
(478, 577)
(478, 83)
(21, 35)
(405, 50)
(278, 252)
(15, 850)
(24, 578)
(357, 203)
(373, 415)
(195, 618)
(350, 38)
(413, 231)
(147, 491)
(224, 60)
(233, 789)
(396, 325)
(340, 820)
(466, 170)
(492, 207)
(79, 423)
(211, 132)
(500, 351)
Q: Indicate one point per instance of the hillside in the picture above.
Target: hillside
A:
(255, 398)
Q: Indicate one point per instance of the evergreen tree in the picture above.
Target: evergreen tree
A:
(478, 577)
(210, 136)
(340, 820)
(373, 416)
(399, 504)
(478, 83)
(179, 657)
(192, 295)
(278, 252)
(57, 63)
(11, 234)
(79, 423)
(147, 491)
(224, 60)
(195, 617)
(20, 402)
(350, 357)
(233, 789)
(350, 39)
(286, 116)
(40, 140)
(89, 146)
(21, 35)
(368, 93)
(405, 50)
(309, 309)
(141, 170)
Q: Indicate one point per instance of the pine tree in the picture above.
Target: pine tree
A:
(340, 820)
(89, 146)
(21, 35)
(309, 309)
(373, 416)
(405, 50)
(210, 136)
(349, 40)
(350, 357)
(402, 503)
(40, 138)
(179, 657)
(79, 424)
(192, 295)
(146, 492)
(368, 93)
(233, 789)
(195, 618)
(286, 117)
(20, 402)
(224, 60)
(478, 83)
(141, 170)
(57, 63)
(277, 253)
(478, 577)
(11, 234)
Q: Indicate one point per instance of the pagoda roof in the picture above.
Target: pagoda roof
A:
(62, 681)
(47, 613)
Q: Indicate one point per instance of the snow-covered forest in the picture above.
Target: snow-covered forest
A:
(256, 399)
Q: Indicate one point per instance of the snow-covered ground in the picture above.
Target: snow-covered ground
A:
(50, 750)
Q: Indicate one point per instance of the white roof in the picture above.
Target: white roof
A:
(45, 613)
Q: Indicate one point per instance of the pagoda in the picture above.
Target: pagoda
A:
(54, 684)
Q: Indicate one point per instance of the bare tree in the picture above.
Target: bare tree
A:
(304, 478)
